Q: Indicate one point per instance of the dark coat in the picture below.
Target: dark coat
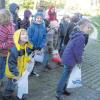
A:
(73, 52)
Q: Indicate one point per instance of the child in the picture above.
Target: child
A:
(51, 43)
(63, 29)
(16, 62)
(37, 33)
(72, 55)
(26, 22)
(6, 39)
(52, 15)
(14, 13)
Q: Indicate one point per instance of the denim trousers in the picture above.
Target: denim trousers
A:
(2, 66)
(61, 87)
(10, 87)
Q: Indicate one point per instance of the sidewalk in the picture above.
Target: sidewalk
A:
(44, 87)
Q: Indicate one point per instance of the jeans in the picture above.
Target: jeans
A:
(61, 87)
(47, 57)
(10, 87)
(2, 66)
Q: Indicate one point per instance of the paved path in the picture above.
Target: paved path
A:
(43, 87)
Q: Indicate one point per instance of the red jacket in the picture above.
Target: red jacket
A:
(52, 15)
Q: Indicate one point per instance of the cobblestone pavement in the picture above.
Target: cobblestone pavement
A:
(44, 86)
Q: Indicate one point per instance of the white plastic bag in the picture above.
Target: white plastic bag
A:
(39, 57)
(22, 86)
(75, 78)
(22, 83)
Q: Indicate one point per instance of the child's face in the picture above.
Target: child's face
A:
(17, 10)
(39, 19)
(53, 10)
(67, 18)
(24, 36)
(87, 28)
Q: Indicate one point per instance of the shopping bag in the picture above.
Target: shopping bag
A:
(56, 57)
(75, 78)
(22, 83)
(39, 57)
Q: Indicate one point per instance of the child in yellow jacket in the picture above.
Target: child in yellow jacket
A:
(16, 61)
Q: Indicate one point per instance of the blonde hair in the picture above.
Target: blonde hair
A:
(4, 17)
(83, 22)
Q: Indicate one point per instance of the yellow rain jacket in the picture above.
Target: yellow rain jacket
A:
(17, 57)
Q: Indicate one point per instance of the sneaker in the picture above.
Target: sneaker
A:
(34, 74)
(25, 97)
(60, 97)
(60, 64)
(8, 98)
(48, 67)
(66, 93)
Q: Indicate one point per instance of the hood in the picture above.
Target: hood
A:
(49, 10)
(13, 7)
(39, 14)
(16, 38)
(27, 13)
(75, 34)
(51, 7)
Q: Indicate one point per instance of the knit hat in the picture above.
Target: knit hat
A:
(38, 14)
(13, 7)
(27, 13)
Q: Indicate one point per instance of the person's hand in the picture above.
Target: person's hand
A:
(42, 50)
(17, 77)
(79, 65)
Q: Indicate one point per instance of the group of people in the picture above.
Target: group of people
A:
(19, 38)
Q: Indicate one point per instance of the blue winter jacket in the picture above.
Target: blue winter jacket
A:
(72, 54)
(37, 35)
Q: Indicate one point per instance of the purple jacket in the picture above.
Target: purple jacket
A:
(73, 52)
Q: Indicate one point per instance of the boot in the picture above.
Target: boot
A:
(6, 98)
(66, 93)
(60, 97)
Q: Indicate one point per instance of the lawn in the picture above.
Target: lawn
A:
(96, 22)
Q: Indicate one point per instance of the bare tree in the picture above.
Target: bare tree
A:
(2, 4)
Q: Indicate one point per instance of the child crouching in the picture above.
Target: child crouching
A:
(16, 61)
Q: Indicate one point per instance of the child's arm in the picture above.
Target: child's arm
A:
(30, 31)
(44, 39)
(60, 29)
(8, 43)
(12, 62)
(78, 49)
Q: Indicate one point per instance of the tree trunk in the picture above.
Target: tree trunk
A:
(2, 4)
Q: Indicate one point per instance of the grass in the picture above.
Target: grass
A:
(96, 21)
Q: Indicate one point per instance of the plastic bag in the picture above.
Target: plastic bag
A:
(56, 57)
(39, 57)
(22, 83)
(75, 78)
